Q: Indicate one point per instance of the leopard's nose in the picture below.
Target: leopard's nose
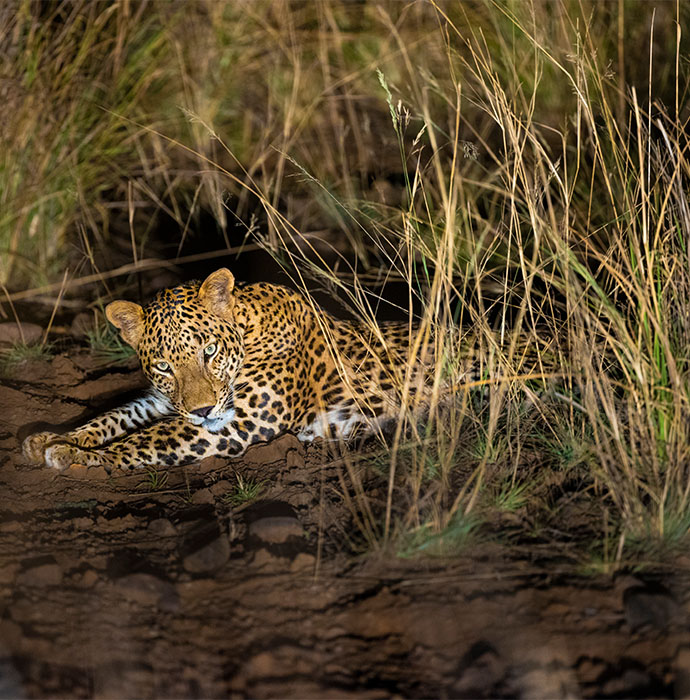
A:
(203, 412)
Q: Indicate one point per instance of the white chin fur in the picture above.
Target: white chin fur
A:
(213, 424)
(217, 423)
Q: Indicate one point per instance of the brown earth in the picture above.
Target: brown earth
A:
(123, 587)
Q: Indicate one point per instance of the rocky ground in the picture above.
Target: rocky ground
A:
(172, 584)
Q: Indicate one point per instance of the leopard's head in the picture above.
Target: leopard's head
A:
(190, 343)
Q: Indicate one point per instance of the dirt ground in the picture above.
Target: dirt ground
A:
(134, 586)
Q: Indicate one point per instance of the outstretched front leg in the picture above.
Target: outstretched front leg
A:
(169, 442)
(101, 430)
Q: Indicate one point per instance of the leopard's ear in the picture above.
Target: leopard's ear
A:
(216, 293)
(128, 317)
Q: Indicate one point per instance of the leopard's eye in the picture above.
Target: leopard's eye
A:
(210, 350)
(162, 367)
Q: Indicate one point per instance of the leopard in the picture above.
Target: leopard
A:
(233, 364)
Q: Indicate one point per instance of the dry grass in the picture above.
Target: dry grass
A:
(520, 171)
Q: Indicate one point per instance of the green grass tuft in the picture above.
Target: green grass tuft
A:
(450, 540)
(245, 491)
(107, 346)
(20, 353)
(155, 480)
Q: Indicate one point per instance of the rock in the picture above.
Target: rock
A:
(10, 526)
(88, 578)
(294, 459)
(10, 633)
(632, 683)
(682, 668)
(220, 488)
(162, 527)
(126, 522)
(590, 670)
(273, 523)
(550, 682)
(208, 558)
(82, 325)
(264, 665)
(77, 471)
(264, 559)
(11, 334)
(122, 562)
(213, 464)
(303, 562)
(146, 589)
(7, 573)
(98, 473)
(651, 605)
(274, 451)
(276, 529)
(480, 669)
(202, 496)
(48, 574)
(82, 523)
(10, 680)
(65, 372)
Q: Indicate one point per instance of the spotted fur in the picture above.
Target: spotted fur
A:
(231, 366)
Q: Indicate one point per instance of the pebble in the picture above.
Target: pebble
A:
(202, 496)
(276, 529)
(147, 589)
(98, 473)
(263, 558)
(209, 558)
(10, 333)
(88, 578)
(681, 665)
(77, 471)
(650, 605)
(41, 575)
(220, 488)
(162, 527)
(8, 572)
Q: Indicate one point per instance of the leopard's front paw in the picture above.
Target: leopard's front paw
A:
(61, 456)
(34, 447)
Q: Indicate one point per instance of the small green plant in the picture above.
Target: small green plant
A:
(107, 346)
(428, 539)
(647, 539)
(21, 352)
(244, 491)
(155, 480)
(568, 444)
(512, 496)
